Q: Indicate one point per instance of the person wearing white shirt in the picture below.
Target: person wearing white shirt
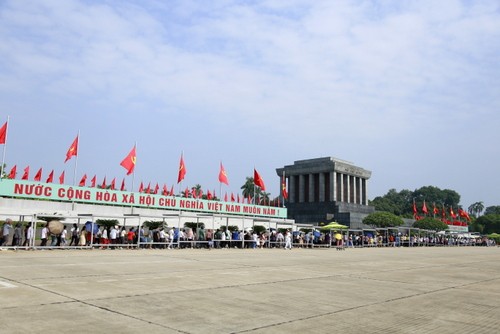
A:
(44, 235)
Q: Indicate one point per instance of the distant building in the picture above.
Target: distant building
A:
(326, 189)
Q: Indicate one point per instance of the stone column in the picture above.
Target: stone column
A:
(311, 188)
(333, 186)
(342, 199)
(302, 188)
(321, 187)
(354, 189)
(348, 188)
(364, 200)
(291, 188)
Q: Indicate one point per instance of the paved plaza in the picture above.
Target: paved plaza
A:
(378, 290)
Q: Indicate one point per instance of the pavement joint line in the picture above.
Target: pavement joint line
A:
(363, 306)
(75, 300)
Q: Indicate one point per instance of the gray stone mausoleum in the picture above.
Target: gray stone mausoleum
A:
(326, 189)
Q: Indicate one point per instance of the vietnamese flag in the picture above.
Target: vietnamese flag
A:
(463, 214)
(61, 178)
(112, 186)
(232, 197)
(225, 197)
(38, 175)
(73, 150)
(51, 177)
(157, 187)
(103, 185)
(172, 190)
(83, 180)
(414, 209)
(186, 192)
(93, 181)
(26, 173)
(209, 195)
(452, 214)
(424, 208)
(129, 162)
(223, 175)
(3, 133)
(148, 189)
(257, 179)
(122, 187)
(13, 172)
(435, 210)
(165, 190)
(283, 187)
(141, 187)
(182, 170)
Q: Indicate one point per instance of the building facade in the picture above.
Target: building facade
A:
(325, 189)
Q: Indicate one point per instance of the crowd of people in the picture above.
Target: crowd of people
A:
(168, 238)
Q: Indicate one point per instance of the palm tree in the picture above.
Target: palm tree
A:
(476, 208)
(196, 189)
(248, 188)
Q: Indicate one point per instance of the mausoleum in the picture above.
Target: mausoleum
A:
(326, 189)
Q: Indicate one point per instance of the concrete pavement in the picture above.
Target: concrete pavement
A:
(382, 290)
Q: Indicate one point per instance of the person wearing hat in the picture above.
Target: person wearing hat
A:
(7, 226)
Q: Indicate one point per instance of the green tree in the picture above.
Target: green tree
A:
(401, 203)
(476, 208)
(107, 222)
(430, 223)
(264, 197)
(474, 226)
(154, 224)
(194, 226)
(495, 209)
(383, 219)
(259, 229)
(249, 187)
(491, 223)
(196, 189)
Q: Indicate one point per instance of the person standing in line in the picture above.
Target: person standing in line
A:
(112, 236)
(130, 238)
(28, 235)
(63, 236)
(122, 236)
(83, 239)
(44, 235)
(104, 238)
(18, 235)
(170, 239)
(74, 235)
(7, 226)
(162, 238)
(288, 240)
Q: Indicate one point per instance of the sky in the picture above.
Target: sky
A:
(409, 90)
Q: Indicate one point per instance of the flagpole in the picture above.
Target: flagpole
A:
(76, 160)
(5, 148)
(254, 185)
(283, 188)
(133, 173)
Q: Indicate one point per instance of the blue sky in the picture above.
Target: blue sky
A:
(407, 89)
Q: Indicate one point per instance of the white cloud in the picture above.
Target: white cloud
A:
(322, 76)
